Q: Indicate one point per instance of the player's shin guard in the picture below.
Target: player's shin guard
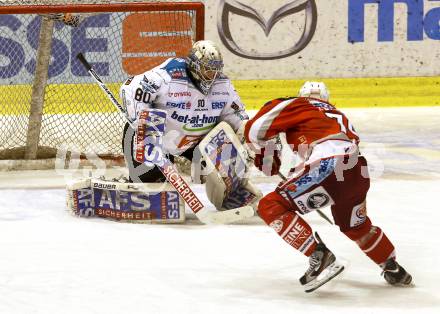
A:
(373, 242)
(288, 224)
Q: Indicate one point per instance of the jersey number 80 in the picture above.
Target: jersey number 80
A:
(140, 95)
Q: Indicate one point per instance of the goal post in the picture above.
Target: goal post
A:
(48, 100)
(38, 88)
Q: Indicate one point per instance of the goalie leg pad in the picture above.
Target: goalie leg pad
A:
(215, 189)
(244, 194)
(227, 186)
(126, 202)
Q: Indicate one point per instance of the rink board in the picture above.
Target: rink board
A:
(359, 92)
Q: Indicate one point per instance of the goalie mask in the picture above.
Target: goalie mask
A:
(205, 64)
(315, 90)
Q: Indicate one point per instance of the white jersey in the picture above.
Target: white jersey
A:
(190, 114)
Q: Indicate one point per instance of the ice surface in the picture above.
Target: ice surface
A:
(51, 262)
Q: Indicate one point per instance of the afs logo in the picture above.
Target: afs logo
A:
(227, 7)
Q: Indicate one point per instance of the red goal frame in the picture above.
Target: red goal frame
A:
(198, 7)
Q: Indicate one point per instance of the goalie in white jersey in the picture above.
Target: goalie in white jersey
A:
(196, 96)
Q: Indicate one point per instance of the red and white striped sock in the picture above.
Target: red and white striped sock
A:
(373, 242)
(295, 231)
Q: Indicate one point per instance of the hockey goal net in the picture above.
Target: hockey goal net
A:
(47, 98)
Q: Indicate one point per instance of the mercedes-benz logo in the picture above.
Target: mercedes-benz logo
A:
(236, 7)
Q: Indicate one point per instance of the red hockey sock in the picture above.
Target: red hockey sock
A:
(373, 242)
(289, 226)
(295, 231)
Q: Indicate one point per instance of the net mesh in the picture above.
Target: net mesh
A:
(76, 114)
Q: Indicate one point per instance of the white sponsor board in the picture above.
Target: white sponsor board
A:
(286, 39)
(260, 39)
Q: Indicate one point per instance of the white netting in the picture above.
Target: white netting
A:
(75, 112)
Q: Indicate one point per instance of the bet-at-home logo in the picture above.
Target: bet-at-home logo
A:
(195, 123)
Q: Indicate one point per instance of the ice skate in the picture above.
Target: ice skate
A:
(323, 267)
(395, 274)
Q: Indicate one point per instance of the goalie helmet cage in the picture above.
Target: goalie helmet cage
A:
(48, 100)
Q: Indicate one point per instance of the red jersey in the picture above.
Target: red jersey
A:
(306, 121)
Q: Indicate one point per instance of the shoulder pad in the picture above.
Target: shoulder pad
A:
(176, 69)
(222, 80)
(222, 77)
(149, 83)
(321, 104)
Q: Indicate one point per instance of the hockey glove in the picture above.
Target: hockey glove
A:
(268, 161)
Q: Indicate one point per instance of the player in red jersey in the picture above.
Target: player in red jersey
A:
(331, 172)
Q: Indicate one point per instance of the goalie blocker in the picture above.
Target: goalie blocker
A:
(125, 202)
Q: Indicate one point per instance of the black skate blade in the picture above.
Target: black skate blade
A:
(411, 284)
(324, 282)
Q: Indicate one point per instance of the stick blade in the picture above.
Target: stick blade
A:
(226, 216)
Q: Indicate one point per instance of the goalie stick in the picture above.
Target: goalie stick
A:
(172, 175)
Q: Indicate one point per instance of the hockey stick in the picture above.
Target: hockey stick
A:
(279, 141)
(172, 175)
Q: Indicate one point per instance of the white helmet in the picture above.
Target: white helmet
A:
(314, 90)
(205, 63)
